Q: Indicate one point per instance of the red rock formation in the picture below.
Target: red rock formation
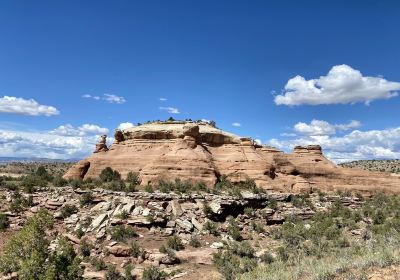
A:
(201, 152)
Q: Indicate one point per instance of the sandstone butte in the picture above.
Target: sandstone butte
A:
(199, 152)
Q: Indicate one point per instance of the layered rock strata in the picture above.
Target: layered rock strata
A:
(202, 153)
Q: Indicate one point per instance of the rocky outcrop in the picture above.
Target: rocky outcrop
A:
(202, 153)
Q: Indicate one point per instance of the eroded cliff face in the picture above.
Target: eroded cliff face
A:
(202, 153)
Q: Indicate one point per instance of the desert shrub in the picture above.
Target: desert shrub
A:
(136, 251)
(175, 242)
(4, 222)
(68, 210)
(128, 272)
(121, 233)
(259, 228)
(227, 264)
(109, 175)
(200, 186)
(163, 249)
(272, 203)
(282, 254)
(378, 217)
(241, 249)
(211, 227)
(27, 250)
(234, 230)
(153, 273)
(86, 199)
(235, 191)
(130, 188)
(301, 201)
(112, 273)
(79, 233)
(117, 185)
(133, 178)
(250, 184)
(98, 264)
(19, 203)
(149, 189)
(194, 241)
(76, 183)
(123, 215)
(207, 209)
(85, 247)
(267, 258)
(248, 211)
(63, 263)
(59, 181)
(182, 186)
(42, 173)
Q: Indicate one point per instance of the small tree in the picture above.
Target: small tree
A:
(108, 175)
(133, 178)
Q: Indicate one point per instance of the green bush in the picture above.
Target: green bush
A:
(109, 175)
(234, 230)
(59, 181)
(133, 178)
(136, 251)
(76, 183)
(68, 210)
(85, 247)
(211, 227)
(153, 273)
(228, 264)
(194, 241)
(4, 222)
(98, 264)
(86, 199)
(27, 251)
(149, 189)
(121, 233)
(272, 203)
(175, 242)
(79, 233)
(259, 228)
(267, 258)
(112, 273)
(123, 215)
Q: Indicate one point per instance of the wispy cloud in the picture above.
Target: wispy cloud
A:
(163, 99)
(170, 110)
(21, 106)
(236, 124)
(110, 98)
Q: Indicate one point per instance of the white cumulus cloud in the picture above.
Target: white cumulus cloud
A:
(45, 145)
(319, 127)
(355, 145)
(125, 125)
(83, 130)
(342, 85)
(170, 110)
(17, 105)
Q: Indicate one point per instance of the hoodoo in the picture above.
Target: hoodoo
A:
(200, 152)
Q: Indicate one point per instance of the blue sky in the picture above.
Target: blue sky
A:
(221, 60)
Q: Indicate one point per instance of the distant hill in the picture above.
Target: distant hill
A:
(4, 160)
(389, 165)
